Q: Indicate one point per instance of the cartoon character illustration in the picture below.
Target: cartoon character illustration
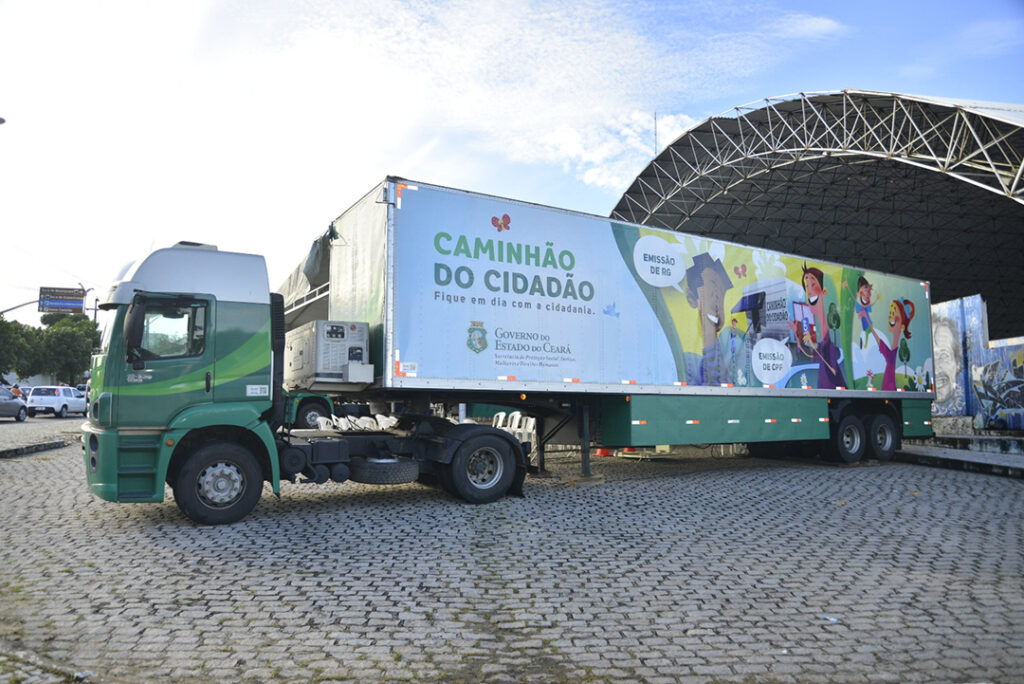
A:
(862, 306)
(812, 332)
(901, 312)
(706, 285)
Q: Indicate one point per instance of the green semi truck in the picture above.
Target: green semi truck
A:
(420, 298)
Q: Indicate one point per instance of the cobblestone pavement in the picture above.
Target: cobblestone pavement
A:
(687, 569)
(38, 430)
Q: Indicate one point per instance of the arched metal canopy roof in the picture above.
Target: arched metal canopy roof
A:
(919, 186)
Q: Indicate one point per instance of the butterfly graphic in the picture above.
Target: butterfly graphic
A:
(740, 271)
(502, 223)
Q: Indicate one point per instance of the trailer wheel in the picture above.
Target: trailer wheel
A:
(309, 411)
(849, 440)
(219, 483)
(483, 469)
(383, 470)
(882, 437)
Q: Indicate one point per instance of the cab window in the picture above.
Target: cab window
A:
(174, 331)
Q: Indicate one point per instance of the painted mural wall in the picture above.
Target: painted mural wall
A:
(973, 376)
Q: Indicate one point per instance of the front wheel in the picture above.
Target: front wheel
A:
(219, 483)
(21, 415)
(483, 469)
(63, 412)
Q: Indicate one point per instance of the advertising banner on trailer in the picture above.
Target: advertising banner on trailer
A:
(488, 290)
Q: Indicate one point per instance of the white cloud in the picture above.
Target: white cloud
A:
(806, 27)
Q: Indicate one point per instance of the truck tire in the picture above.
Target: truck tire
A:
(383, 471)
(849, 440)
(219, 483)
(483, 469)
(63, 413)
(306, 416)
(882, 437)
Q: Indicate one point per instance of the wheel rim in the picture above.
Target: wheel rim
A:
(484, 468)
(883, 438)
(851, 440)
(311, 418)
(220, 484)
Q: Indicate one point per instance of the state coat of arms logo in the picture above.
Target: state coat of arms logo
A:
(477, 338)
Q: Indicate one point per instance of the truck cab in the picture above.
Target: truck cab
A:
(185, 361)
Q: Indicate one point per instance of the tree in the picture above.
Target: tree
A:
(62, 349)
(8, 346)
(67, 350)
(76, 322)
(32, 359)
(18, 352)
(48, 319)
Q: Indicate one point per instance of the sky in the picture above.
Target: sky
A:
(252, 124)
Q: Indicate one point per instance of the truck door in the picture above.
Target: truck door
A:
(169, 365)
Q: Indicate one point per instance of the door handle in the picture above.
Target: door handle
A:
(209, 379)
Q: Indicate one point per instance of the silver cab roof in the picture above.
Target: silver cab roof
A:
(192, 268)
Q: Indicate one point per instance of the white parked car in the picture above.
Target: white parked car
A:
(60, 401)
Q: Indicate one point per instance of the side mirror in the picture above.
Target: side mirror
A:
(134, 326)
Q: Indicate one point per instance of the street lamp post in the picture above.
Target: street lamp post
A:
(86, 291)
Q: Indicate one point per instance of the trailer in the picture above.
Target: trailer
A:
(420, 298)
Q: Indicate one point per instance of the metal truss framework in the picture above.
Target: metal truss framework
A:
(917, 186)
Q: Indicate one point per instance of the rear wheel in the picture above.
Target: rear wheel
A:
(882, 437)
(218, 484)
(483, 469)
(31, 413)
(849, 440)
(21, 415)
